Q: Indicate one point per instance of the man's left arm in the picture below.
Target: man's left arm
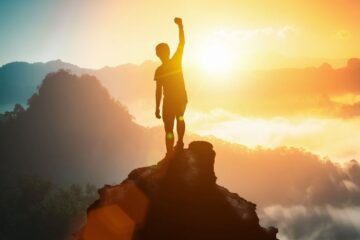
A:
(158, 96)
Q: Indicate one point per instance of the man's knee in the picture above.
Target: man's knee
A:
(169, 135)
(180, 114)
(180, 118)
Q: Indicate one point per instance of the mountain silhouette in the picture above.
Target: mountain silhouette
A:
(19, 80)
(72, 125)
(176, 199)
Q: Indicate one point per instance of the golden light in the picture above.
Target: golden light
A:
(216, 58)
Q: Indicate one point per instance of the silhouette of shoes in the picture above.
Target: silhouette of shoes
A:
(179, 146)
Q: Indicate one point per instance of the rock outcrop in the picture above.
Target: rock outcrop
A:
(177, 199)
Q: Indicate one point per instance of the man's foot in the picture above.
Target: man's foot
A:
(179, 146)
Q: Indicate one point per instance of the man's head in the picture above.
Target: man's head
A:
(163, 52)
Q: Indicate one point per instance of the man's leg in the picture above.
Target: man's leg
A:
(180, 126)
(169, 119)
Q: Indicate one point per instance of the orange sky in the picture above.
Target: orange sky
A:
(128, 30)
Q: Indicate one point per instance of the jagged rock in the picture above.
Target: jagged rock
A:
(177, 199)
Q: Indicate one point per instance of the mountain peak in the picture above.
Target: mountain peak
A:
(176, 199)
(325, 67)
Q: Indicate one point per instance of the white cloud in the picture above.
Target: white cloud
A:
(311, 133)
(318, 222)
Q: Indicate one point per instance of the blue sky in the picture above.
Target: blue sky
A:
(24, 28)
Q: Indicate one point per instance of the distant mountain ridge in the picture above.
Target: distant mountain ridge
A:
(19, 80)
(261, 93)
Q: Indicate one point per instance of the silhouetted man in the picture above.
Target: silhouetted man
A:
(169, 79)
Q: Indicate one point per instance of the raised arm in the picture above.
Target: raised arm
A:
(180, 49)
(178, 21)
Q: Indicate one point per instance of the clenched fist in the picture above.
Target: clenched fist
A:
(157, 113)
(178, 21)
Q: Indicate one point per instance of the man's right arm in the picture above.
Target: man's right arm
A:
(180, 49)
(178, 21)
(158, 95)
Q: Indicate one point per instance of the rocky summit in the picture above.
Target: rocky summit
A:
(177, 199)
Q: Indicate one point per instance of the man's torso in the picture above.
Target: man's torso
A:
(170, 76)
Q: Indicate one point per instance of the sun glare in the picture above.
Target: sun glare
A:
(216, 58)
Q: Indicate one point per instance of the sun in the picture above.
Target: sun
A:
(216, 58)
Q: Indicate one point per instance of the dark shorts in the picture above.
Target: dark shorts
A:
(170, 112)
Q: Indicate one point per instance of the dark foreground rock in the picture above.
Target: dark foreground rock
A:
(177, 199)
